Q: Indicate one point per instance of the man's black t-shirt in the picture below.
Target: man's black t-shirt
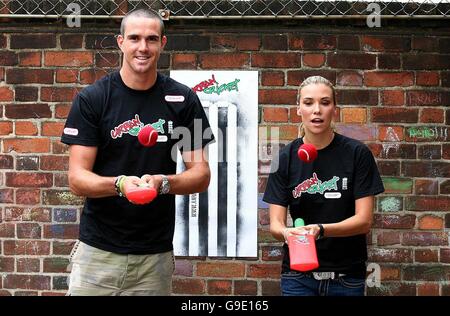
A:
(109, 115)
(325, 191)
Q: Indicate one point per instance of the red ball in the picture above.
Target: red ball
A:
(141, 195)
(148, 136)
(307, 153)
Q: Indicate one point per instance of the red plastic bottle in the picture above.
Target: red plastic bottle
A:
(302, 250)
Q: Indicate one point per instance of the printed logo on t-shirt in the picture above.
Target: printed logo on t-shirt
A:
(71, 131)
(315, 185)
(174, 98)
(133, 126)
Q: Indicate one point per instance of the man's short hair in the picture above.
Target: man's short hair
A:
(142, 13)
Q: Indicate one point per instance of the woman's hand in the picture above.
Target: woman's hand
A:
(303, 230)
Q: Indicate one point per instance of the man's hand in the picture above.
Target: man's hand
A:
(153, 181)
(130, 183)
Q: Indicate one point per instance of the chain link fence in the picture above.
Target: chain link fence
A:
(198, 9)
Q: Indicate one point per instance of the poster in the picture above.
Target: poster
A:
(223, 221)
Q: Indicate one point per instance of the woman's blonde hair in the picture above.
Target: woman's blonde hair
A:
(315, 80)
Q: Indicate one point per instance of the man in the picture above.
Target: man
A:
(125, 248)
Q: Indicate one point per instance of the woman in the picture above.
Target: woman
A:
(334, 195)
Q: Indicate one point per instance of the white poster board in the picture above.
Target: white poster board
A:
(223, 221)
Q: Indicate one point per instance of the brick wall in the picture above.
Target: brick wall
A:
(393, 90)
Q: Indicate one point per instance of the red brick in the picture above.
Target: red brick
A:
(28, 265)
(393, 289)
(61, 197)
(71, 41)
(390, 273)
(219, 287)
(232, 60)
(7, 230)
(397, 255)
(188, 286)
(61, 231)
(26, 247)
(356, 97)
(427, 78)
(69, 59)
(223, 42)
(30, 59)
(313, 60)
(6, 162)
(8, 58)
(28, 214)
(3, 41)
(390, 133)
(394, 115)
(62, 247)
(430, 222)
(312, 42)
(29, 179)
(6, 196)
(296, 77)
(29, 230)
(389, 61)
(349, 78)
(272, 253)
(276, 60)
(431, 115)
(59, 148)
(52, 128)
(252, 43)
(6, 94)
(60, 94)
(425, 44)
(17, 75)
(272, 78)
(27, 111)
(89, 76)
(184, 61)
(245, 287)
(444, 254)
(354, 115)
(393, 97)
(26, 145)
(270, 288)
(275, 114)
(386, 43)
(274, 42)
(107, 60)
(444, 187)
(220, 269)
(426, 187)
(61, 112)
(26, 93)
(433, 62)
(264, 271)
(55, 264)
(61, 180)
(294, 117)
(351, 60)
(394, 221)
(428, 289)
(67, 75)
(279, 96)
(426, 169)
(30, 282)
(26, 129)
(348, 42)
(426, 273)
(425, 255)
(421, 98)
(28, 196)
(388, 238)
(6, 128)
(56, 163)
(358, 131)
(429, 152)
(34, 40)
(388, 79)
(425, 239)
